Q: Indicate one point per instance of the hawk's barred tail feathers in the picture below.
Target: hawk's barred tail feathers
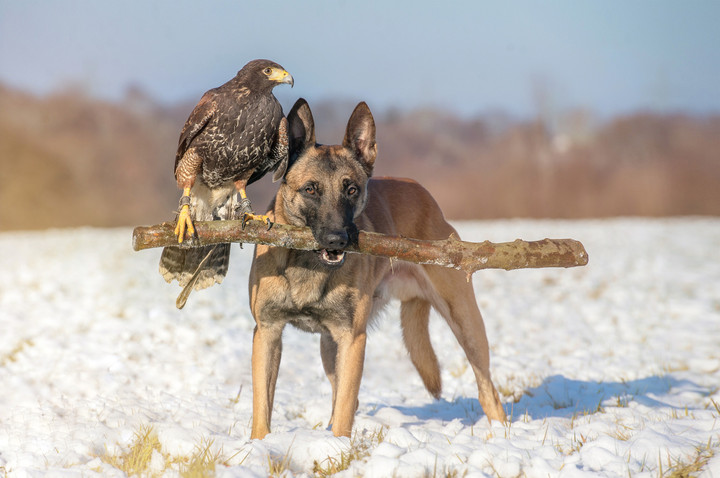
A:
(186, 264)
(185, 293)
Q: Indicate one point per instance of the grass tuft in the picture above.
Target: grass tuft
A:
(136, 459)
(12, 356)
(278, 466)
(359, 449)
(622, 433)
(202, 462)
(677, 468)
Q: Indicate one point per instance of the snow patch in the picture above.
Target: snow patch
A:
(603, 368)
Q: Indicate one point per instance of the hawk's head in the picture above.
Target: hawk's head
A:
(265, 74)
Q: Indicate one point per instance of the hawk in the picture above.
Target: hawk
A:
(235, 135)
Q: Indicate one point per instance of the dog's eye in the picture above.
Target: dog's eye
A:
(352, 190)
(310, 189)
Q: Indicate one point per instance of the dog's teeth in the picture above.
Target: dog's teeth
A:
(332, 257)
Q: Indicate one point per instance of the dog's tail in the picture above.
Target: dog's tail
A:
(414, 318)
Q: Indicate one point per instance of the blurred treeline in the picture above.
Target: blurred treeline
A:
(69, 160)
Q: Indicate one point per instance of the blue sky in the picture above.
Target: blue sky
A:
(470, 57)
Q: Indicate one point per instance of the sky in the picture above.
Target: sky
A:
(470, 57)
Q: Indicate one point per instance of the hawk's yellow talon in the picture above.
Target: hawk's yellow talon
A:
(257, 217)
(184, 224)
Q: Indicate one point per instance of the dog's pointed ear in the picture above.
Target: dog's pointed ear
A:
(301, 127)
(360, 136)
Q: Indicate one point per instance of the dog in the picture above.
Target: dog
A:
(329, 190)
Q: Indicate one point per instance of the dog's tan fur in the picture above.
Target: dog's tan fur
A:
(290, 286)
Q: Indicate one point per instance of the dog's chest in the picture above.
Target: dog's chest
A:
(313, 301)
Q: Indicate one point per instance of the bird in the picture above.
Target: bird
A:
(235, 135)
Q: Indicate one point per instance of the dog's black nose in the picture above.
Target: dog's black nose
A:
(336, 240)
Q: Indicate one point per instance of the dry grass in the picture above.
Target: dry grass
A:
(202, 463)
(690, 467)
(138, 458)
(518, 387)
(360, 447)
(279, 466)
(622, 433)
(13, 354)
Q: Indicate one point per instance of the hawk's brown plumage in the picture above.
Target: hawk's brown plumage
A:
(235, 135)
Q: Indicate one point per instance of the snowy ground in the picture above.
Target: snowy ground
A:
(611, 369)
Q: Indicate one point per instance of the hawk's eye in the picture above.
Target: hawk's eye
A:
(267, 71)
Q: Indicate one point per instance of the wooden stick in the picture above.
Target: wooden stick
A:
(450, 252)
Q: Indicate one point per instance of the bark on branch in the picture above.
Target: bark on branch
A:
(451, 252)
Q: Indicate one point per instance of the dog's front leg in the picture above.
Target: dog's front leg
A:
(348, 373)
(266, 353)
(328, 353)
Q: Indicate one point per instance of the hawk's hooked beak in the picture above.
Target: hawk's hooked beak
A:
(282, 76)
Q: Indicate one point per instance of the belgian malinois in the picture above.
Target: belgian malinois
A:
(328, 189)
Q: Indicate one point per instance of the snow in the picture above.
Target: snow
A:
(611, 369)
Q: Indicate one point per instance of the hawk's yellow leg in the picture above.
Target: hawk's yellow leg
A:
(184, 222)
(251, 215)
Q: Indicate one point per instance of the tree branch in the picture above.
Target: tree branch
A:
(451, 252)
